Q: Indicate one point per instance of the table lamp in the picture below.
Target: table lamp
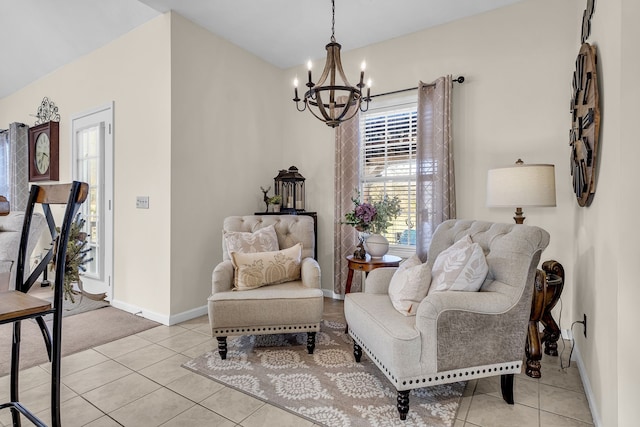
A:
(521, 185)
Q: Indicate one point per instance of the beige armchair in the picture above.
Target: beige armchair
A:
(455, 335)
(290, 307)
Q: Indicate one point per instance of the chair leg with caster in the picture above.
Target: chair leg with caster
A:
(403, 404)
(222, 347)
(311, 342)
(506, 384)
(357, 352)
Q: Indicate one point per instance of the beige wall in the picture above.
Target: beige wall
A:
(134, 72)
(606, 246)
(596, 229)
(628, 346)
(226, 139)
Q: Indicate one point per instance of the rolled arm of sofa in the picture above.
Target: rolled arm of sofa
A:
(475, 302)
(377, 282)
(310, 273)
(222, 277)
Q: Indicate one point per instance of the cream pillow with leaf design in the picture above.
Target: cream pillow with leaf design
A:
(460, 267)
(253, 270)
(262, 240)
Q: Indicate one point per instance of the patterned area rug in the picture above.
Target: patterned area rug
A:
(328, 387)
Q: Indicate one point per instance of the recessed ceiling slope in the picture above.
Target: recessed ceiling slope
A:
(39, 36)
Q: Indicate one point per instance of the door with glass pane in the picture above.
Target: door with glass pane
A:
(92, 147)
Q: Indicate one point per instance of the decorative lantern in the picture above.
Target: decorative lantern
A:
(277, 181)
(290, 185)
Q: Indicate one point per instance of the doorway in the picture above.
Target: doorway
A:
(92, 162)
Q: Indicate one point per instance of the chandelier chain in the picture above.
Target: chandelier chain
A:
(333, 21)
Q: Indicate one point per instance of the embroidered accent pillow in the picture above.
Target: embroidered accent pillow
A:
(460, 267)
(253, 270)
(262, 240)
(409, 285)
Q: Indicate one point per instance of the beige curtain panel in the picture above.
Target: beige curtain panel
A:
(347, 167)
(436, 196)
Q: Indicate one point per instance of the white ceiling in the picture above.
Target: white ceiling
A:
(39, 36)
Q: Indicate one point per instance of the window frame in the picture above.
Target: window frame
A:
(387, 107)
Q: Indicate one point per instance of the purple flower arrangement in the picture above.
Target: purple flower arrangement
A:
(373, 217)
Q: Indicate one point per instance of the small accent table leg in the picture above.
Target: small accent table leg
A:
(555, 283)
(533, 347)
(347, 288)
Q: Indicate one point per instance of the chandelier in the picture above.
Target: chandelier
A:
(333, 103)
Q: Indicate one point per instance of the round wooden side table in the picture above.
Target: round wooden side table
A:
(368, 264)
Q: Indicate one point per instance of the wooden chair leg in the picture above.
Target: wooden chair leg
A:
(506, 384)
(311, 342)
(403, 404)
(222, 347)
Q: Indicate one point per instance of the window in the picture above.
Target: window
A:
(388, 164)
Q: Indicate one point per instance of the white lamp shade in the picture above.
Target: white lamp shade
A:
(521, 185)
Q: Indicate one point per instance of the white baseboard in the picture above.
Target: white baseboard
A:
(331, 294)
(188, 315)
(160, 318)
(587, 386)
(566, 334)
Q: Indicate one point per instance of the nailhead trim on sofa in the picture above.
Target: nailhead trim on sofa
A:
(444, 377)
(261, 330)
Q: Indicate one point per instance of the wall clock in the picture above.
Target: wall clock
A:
(585, 125)
(43, 152)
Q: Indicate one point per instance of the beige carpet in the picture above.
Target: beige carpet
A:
(328, 387)
(79, 332)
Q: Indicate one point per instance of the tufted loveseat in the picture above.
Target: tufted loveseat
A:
(289, 307)
(454, 336)
(10, 231)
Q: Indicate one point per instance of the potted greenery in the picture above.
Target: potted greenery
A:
(275, 202)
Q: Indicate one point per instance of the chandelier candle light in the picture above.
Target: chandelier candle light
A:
(335, 103)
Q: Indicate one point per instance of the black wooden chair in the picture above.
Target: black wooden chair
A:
(17, 305)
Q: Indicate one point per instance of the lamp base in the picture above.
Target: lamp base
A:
(519, 218)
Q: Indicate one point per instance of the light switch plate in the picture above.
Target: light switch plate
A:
(142, 202)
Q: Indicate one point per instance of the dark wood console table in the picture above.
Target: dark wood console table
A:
(546, 293)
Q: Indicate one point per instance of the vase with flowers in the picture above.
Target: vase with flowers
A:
(372, 220)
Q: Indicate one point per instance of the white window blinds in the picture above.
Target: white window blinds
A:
(388, 164)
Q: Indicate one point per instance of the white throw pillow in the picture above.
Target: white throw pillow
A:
(253, 270)
(460, 267)
(262, 240)
(409, 285)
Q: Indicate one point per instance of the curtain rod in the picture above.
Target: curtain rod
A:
(456, 80)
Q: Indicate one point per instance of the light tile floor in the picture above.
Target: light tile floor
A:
(138, 381)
